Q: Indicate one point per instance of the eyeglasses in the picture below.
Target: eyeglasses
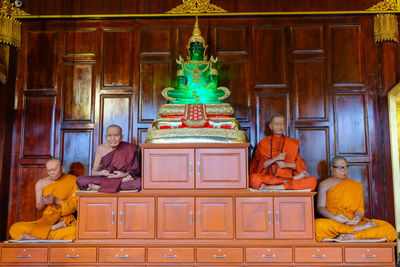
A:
(341, 167)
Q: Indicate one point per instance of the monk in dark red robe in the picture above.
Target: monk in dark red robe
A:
(277, 163)
(116, 166)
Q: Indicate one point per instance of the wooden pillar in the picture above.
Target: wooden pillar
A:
(8, 58)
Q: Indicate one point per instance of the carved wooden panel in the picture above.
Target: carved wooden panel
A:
(80, 42)
(78, 92)
(141, 135)
(307, 38)
(351, 124)
(270, 56)
(38, 130)
(155, 41)
(314, 149)
(77, 148)
(267, 106)
(234, 75)
(231, 40)
(118, 58)
(182, 38)
(116, 109)
(347, 55)
(309, 87)
(154, 77)
(29, 175)
(361, 173)
(42, 60)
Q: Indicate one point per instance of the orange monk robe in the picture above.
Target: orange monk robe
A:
(273, 175)
(346, 198)
(64, 189)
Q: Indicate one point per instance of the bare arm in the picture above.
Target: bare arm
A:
(280, 157)
(321, 206)
(40, 204)
(96, 170)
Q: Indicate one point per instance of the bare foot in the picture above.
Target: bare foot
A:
(365, 226)
(272, 187)
(26, 237)
(58, 225)
(303, 174)
(343, 237)
(93, 187)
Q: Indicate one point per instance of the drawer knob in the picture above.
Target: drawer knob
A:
(216, 256)
(369, 256)
(170, 256)
(268, 256)
(124, 256)
(319, 256)
(73, 256)
(23, 256)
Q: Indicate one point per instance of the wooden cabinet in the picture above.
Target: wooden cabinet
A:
(114, 217)
(75, 254)
(194, 166)
(121, 255)
(274, 217)
(368, 254)
(317, 254)
(23, 255)
(178, 218)
(269, 254)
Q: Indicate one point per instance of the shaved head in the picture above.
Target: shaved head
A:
(338, 158)
(55, 160)
(115, 126)
(276, 116)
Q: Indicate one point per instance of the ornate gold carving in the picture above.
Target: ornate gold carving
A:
(227, 93)
(190, 135)
(196, 7)
(165, 95)
(386, 5)
(386, 28)
(10, 28)
(219, 109)
(171, 109)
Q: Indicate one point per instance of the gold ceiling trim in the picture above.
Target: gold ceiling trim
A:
(386, 5)
(196, 7)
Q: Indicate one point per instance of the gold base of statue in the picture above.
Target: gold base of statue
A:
(195, 135)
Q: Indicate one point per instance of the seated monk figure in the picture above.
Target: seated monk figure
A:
(116, 166)
(277, 163)
(340, 200)
(56, 195)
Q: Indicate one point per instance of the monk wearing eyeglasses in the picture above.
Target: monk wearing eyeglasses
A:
(116, 166)
(340, 201)
(277, 164)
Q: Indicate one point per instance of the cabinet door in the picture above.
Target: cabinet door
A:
(254, 217)
(168, 168)
(214, 217)
(175, 217)
(97, 217)
(221, 168)
(135, 217)
(294, 217)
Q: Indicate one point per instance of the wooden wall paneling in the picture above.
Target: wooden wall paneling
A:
(269, 104)
(351, 124)
(361, 172)
(154, 77)
(116, 109)
(141, 135)
(80, 42)
(310, 89)
(270, 56)
(28, 176)
(231, 40)
(78, 92)
(42, 60)
(315, 151)
(117, 59)
(39, 127)
(307, 39)
(77, 147)
(347, 55)
(155, 41)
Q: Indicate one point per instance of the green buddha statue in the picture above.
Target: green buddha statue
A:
(197, 78)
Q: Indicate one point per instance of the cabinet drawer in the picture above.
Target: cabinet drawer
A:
(368, 254)
(121, 254)
(24, 255)
(322, 254)
(269, 255)
(72, 254)
(219, 255)
(170, 255)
